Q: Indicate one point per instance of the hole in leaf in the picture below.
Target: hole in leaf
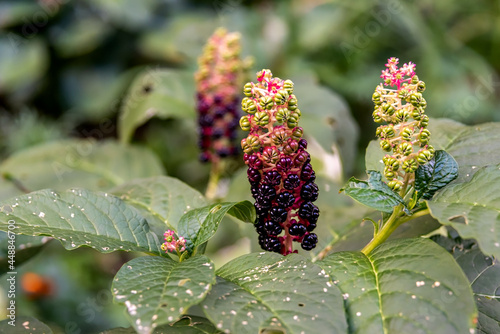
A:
(163, 305)
(458, 219)
(301, 305)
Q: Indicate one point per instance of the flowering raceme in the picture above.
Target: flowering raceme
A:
(173, 245)
(279, 168)
(218, 80)
(405, 136)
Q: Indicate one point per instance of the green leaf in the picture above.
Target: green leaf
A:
(25, 247)
(86, 163)
(484, 274)
(159, 290)
(403, 286)
(188, 324)
(23, 325)
(471, 146)
(199, 225)
(472, 208)
(373, 193)
(436, 174)
(79, 217)
(156, 92)
(268, 290)
(161, 199)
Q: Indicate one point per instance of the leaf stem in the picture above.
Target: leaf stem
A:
(213, 180)
(397, 218)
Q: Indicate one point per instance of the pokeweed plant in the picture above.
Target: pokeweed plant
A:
(409, 285)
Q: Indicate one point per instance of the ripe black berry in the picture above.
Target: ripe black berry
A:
(285, 199)
(306, 172)
(267, 192)
(297, 230)
(273, 228)
(253, 175)
(309, 192)
(291, 182)
(273, 245)
(272, 177)
(278, 214)
(309, 241)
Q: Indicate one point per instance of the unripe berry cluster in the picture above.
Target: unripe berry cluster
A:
(279, 168)
(218, 80)
(405, 136)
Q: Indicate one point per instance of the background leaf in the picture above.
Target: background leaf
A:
(373, 193)
(268, 290)
(24, 325)
(472, 208)
(403, 286)
(156, 92)
(79, 217)
(25, 247)
(199, 225)
(161, 199)
(94, 165)
(159, 290)
(436, 174)
(188, 324)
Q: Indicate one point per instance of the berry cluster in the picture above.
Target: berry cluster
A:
(218, 80)
(279, 168)
(172, 244)
(405, 136)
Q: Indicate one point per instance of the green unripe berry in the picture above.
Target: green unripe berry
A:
(414, 80)
(421, 86)
(395, 185)
(423, 103)
(288, 86)
(253, 143)
(402, 115)
(424, 156)
(388, 109)
(431, 149)
(385, 145)
(405, 148)
(266, 102)
(297, 133)
(244, 103)
(406, 134)
(376, 98)
(410, 165)
(292, 103)
(424, 136)
(403, 94)
(415, 99)
(424, 121)
(292, 121)
(389, 174)
(261, 118)
(247, 89)
(282, 115)
(245, 123)
(376, 117)
(281, 97)
(417, 113)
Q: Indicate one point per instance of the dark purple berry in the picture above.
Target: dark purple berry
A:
(278, 214)
(309, 192)
(204, 156)
(291, 182)
(254, 162)
(284, 164)
(307, 209)
(306, 172)
(285, 199)
(273, 245)
(309, 241)
(222, 152)
(254, 190)
(311, 227)
(273, 228)
(217, 133)
(253, 175)
(267, 192)
(261, 210)
(297, 230)
(303, 144)
(205, 120)
(272, 177)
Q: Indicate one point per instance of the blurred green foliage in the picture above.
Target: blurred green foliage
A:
(69, 68)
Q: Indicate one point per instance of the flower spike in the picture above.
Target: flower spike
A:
(279, 168)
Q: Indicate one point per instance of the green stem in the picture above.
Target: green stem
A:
(390, 226)
(213, 180)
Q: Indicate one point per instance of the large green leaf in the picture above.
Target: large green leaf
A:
(156, 92)
(159, 290)
(199, 225)
(268, 290)
(161, 199)
(188, 324)
(484, 274)
(436, 174)
(373, 193)
(472, 208)
(23, 325)
(472, 146)
(80, 217)
(25, 248)
(403, 286)
(82, 163)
